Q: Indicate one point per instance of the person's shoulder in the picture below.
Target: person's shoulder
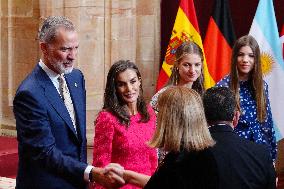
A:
(152, 114)
(30, 84)
(30, 90)
(105, 122)
(154, 99)
(238, 147)
(105, 113)
(224, 82)
(161, 90)
(106, 116)
(262, 152)
(77, 73)
(76, 76)
(164, 88)
(258, 149)
(150, 110)
(189, 156)
(265, 85)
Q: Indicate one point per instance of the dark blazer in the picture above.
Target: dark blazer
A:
(242, 164)
(51, 154)
(185, 170)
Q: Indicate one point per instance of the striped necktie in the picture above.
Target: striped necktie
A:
(65, 95)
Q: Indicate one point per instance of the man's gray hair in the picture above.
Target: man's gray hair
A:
(50, 25)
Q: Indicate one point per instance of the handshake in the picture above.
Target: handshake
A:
(114, 176)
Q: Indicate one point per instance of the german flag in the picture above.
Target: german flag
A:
(219, 40)
(185, 28)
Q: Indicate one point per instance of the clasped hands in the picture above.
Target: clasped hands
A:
(111, 176)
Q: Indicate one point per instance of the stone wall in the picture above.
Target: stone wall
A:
(18, 54)
(109, 30)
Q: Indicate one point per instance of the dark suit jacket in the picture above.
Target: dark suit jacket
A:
(51, 154)
(186, 170)
(242, 164)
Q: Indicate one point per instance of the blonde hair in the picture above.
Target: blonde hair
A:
(186, 48)
(181, 122)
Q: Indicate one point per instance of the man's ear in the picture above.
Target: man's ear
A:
(43, 47)
(236, 118)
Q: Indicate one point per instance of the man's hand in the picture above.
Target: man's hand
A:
(114, 172)
(110, 177)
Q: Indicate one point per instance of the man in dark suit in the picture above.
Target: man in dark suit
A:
(50, 112)
(241, 163)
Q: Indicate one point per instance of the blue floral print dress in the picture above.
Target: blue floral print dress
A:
(248, 126)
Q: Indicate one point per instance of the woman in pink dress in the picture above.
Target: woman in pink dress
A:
(125, 124)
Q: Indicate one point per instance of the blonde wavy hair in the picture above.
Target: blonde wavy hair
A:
(181, 122)
(186, 48)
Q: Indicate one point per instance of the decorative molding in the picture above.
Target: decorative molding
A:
(8, 129)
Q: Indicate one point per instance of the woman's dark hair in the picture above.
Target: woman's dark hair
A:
(113, 103)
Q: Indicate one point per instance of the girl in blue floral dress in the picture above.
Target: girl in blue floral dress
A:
(246, 81)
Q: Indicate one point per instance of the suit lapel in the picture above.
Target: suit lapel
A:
(75, 90)
(54, 98)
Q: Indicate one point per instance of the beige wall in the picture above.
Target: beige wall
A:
(109, 30)
(18, 53)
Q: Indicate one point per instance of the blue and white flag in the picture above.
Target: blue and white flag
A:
(264, 30)
(282, 40)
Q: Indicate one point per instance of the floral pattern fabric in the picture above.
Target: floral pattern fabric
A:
(248, 126)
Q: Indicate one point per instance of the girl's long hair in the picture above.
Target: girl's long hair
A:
(255, 79)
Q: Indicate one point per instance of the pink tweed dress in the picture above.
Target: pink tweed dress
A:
(116, 143)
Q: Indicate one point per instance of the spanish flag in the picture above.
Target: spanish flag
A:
(185, 28)
(219, 41)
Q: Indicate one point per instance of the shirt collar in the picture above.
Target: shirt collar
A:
(220, 128)
(51, 74)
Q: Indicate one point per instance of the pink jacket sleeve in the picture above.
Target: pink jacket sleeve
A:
(104, 131)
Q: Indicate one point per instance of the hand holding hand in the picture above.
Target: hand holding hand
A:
(110, 177)
(114, 172)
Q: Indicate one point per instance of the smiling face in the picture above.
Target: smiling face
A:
(245, 62)
(128, 86)
(189, 69)
(61, 54)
